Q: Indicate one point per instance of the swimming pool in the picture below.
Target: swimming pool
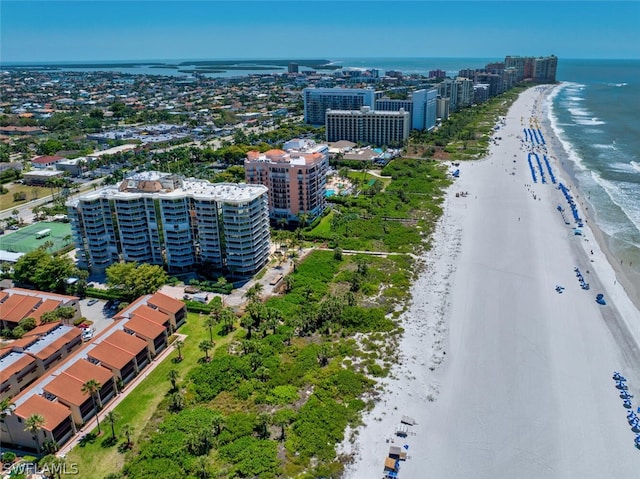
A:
(330, 193)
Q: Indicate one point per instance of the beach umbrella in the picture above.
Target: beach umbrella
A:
(627, 403)
(622, 385)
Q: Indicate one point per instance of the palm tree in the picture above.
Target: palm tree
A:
(216, 309)
(262, 426)
(173, 376)
(282, 419)
(228, 318)
(201, 467)
(205, 346)
(288, 283)
(263, 373)
(253, 293)
(112, 417)
(217, 422)
(303, 219)
(177, 402)
(6, 409)
(179, 344)
(34, 424)
(127, 430)
(210, 323)
(92, 387)
(53, 464)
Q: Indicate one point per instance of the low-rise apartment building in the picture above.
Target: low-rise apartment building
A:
(17, 304)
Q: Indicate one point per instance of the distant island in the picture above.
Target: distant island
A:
(201, 66)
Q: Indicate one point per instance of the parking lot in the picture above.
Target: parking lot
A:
(97, 313)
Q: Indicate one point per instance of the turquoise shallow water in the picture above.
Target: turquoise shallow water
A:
(596, 115)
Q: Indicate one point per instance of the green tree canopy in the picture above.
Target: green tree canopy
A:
(44, 271)
(132, 280)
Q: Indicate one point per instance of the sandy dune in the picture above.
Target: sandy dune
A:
(505, 376)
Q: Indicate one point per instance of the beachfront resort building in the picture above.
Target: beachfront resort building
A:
(295, 176)
(182, 224)
(421, 105)
(388, 128)
(318, 100)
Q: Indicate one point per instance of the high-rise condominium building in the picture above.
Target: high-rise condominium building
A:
(541, 69)
(390, 128)
(318, 100)
(163, 219)
(421, 106)
(296, 178)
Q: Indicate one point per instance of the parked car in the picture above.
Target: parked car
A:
(87, 334)
(91, 302)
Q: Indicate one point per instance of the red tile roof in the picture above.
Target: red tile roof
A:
(126, 342)
(45, 160)
(17, 307)
(150, 314)
(48, 305)
(144, 327)
(84, 371)
(110, 356)
(68, 389)
(54, 413)
(165, 303)
(42, 329)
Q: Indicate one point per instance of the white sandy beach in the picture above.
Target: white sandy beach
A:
(505, 376)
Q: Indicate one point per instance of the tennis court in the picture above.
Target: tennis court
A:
(24, 240)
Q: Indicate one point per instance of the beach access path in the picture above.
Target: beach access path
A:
(505, 376)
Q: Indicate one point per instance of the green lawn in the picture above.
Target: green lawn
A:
(96, 461)
(32, 192)
(323, 229)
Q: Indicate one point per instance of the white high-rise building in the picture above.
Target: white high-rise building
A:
(390, 128)
(160, 218)
(318, 100)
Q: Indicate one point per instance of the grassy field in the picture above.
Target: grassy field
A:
(32, 192)
(94, 460)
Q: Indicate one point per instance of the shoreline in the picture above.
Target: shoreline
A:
(624, 274)
(490, 350)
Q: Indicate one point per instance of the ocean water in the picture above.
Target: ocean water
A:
(596, 115)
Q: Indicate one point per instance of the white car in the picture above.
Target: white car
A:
(87, 334)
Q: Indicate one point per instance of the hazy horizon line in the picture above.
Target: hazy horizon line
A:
(329, 59)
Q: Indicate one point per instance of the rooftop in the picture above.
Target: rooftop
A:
(54, 413)
(165, 186)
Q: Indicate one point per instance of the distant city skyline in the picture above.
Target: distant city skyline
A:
(61, 30)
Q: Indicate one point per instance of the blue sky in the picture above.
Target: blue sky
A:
(57, 30)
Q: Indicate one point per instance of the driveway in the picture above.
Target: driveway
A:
(97, 313)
